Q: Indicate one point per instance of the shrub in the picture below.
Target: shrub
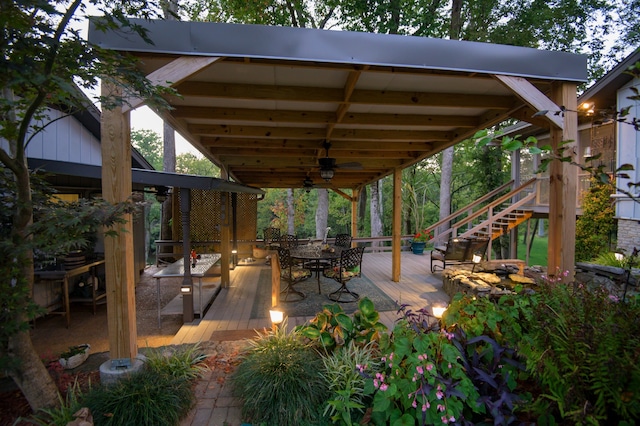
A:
(422, 379)
(585, 352)
(145, 398)
(280, 380)
(178, 361)
(341, 371)
(332, 328)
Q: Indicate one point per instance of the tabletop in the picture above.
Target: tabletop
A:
(176, 269)
(314, 253)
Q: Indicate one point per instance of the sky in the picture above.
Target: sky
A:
(145, 118)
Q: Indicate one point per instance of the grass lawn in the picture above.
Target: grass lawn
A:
(538, 255)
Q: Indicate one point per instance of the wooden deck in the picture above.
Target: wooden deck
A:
(229, 314)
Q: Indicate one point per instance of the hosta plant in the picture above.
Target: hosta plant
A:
(333, 328)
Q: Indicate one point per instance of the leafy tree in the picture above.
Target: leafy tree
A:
(193, 165)
(42, 57)
(149, 144)
(595, 226)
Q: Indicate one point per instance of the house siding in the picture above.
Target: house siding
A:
(628, 210)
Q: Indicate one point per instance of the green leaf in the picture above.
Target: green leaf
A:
(512, 145)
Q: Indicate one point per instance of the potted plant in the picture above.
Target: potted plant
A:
(420, 241)
(74, 356)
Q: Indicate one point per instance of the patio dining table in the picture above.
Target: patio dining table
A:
(315, 258)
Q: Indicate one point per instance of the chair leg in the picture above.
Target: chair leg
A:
(290, 291)
(350, 296)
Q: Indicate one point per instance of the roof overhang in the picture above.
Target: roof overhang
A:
(261, 102)
(143, 177)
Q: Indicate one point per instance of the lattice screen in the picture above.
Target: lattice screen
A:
(206, 218)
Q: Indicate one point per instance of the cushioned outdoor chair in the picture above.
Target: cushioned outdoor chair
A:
(288, 241)
(343, 241)
(348, 267)
(271, 237)
(458, 251)
(292, 274)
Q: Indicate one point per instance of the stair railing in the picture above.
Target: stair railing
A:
(468, 209)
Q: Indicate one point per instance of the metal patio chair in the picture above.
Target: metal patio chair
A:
(292, 273)
(348, 267)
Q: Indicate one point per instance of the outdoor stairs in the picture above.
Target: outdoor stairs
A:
(488, 216)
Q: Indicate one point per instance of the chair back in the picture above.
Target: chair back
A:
(456, 249)
(477, 246)
(271, 235)
(284, 257)
(350, 259)
(289, 241)
(343, 240)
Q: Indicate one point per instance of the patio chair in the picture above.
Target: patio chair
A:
(288, 241)
(271, 237)
(458, 251)
(292, 274)
(343, 241)
(349, 267)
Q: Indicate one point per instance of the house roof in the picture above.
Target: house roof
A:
(263, 103)
(143, 176)
(603, 93)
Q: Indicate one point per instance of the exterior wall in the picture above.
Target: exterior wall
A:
(65, 140)
(628, 235)
(628, 152)
(628, 210)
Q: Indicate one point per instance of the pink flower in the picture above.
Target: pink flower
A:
(452, 419)
(425, 407)
(414, 404)
(440, 407)
(439, 394)
(419, 369)
(429, 367)
(375, 383)
(384, 387)
(444, 419)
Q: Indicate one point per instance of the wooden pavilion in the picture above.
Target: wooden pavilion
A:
(292, 107)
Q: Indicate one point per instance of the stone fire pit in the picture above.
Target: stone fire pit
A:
(494, 283)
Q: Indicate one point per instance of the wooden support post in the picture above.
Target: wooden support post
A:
(187, 282)
(225, 237)
(563, 182)
(118, 250)
(275, 280)
(396, 231)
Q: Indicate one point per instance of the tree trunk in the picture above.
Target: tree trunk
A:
(322, 213)
(447, 154)
(445, 187)
(291, 212)
(362, 210)
(376, 212)
(30, 375)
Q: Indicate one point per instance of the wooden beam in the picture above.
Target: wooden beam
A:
(336, 95)
(282, 144)
(173, 73)
(396, 227)
(215, 114)
(118, 250)
(563, 179)
(535, 98)
(266, 132)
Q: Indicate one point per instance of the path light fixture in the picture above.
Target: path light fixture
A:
(276, 318)
(438, 309)
(476, 259)
(186, 289)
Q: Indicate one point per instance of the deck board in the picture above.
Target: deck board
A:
(231, 310)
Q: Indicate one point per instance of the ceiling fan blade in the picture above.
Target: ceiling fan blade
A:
(352, 166)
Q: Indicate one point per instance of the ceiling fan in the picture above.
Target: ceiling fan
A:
(307, 184)
(328, 164)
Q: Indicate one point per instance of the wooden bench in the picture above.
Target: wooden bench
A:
(459, 251)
